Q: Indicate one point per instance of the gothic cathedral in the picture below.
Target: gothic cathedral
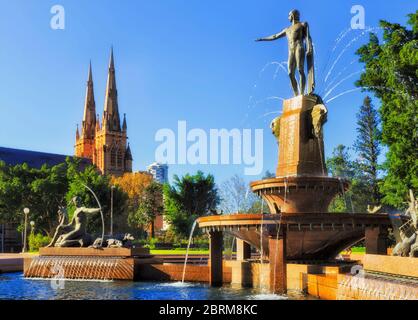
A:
(104, 144)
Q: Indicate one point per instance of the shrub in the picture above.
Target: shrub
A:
(37, 241)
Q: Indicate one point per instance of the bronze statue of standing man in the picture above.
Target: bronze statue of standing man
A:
(298, 36)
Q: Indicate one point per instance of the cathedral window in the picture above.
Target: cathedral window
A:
(120, 159)
(113, 157)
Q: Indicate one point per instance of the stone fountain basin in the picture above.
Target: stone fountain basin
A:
(308, 236)
(299, 194)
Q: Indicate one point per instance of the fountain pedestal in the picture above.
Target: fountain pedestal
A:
(376, 240)
(298, 199)
(88, 263)
(215, 258)
(243, 250)
(300, 152)
(301, 184)
(277, 261)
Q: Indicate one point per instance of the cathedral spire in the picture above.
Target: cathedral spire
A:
(111, 119)
(89, 118)
(128, 154)
(97, 123)
(77, 134)
(124, 125)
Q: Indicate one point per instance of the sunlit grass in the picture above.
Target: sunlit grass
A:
(179, 251)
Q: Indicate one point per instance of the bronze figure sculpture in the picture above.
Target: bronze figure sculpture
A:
(74, 234)
(319, 117)
(408, 244)
(275, 128)
(298, 35)
(119, 241)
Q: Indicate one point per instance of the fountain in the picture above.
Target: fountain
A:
(72, 253)
(299, 228)
(299, 231)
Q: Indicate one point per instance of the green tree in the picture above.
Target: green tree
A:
(190, 197)
(268, 174)
(150, 205)
(41, 190)
(44, 190)
(391, 73)
(100, 184)
(367, 146)
(355, 199)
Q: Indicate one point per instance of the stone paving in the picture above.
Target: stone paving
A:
(12, 262)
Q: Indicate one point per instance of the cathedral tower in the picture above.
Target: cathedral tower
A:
(110, 151)
(85, 143)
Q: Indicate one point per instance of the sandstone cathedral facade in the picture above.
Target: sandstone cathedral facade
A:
(105, 143)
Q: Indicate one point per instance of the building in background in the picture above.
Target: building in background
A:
(159, 172)
(10, 238)
(105, 144)
(35, 159)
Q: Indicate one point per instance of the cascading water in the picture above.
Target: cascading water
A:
(76, 268)
(321, 156)
(261, 273)
(187, 251)
(351, 203)
(232, 248)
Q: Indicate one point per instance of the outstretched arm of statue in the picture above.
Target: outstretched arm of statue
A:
(92, 211)
(276, 36)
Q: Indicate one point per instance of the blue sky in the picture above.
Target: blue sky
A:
(175, 60)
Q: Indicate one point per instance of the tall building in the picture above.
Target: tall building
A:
(159, 172)
(105, 143)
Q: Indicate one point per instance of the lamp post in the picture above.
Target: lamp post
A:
(32, 227)
(26, 212)
(111, 209)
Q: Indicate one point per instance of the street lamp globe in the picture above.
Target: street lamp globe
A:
(26, 210)
(32, 223)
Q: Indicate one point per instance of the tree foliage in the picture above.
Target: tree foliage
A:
(44, 190)
(190, 197)
(101, 186)
(391, 73)
(236, 196)
(133, 185)
(150, 205)
(368, 148)
(41, 190)
(356, 198)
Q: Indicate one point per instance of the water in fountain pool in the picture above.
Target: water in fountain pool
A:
(14, 286)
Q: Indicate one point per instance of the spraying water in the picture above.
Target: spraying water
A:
(232, 248)
(261, 273)
(101, 213)
(341, 81)
(345, 195)
(187, 251)
(321, 156)
(354, 40)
